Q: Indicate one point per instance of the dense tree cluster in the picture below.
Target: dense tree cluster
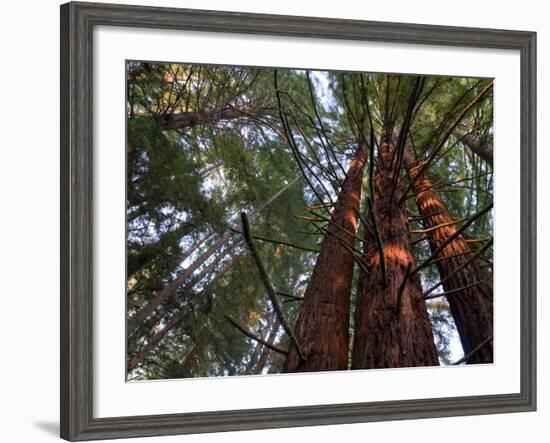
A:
(283, 220)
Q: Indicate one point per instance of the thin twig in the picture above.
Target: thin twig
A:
(441, 144)
(433, 228)
(293, 297)
(336, 225)
(254, 337)
(460, 268)
(473, 351)
(289, 137)
(400, 148)
(279, 242)
(454, 291)
(414, 217)
(357, 256)
(453, 236)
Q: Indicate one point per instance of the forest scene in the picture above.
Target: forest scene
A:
(292, 220)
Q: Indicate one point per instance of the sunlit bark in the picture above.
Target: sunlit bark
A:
(392, 327)
(322, 327)
(472, 307)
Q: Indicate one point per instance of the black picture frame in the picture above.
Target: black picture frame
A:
(77, 23)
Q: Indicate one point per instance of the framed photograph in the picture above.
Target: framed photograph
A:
(273, 221)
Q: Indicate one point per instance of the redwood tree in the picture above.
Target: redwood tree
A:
(469, 291)
(392, 327)
(322, 328)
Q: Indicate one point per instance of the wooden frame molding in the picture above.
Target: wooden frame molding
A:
(77, 23)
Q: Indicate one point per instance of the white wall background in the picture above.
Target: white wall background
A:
(29, 245)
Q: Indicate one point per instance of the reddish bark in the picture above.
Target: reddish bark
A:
(392, 327)
(322, 327)
(471, 308)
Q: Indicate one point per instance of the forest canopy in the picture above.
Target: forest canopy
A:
(291, 220)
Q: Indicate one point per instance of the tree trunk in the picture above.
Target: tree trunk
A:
(191, 119)
(392, 327)
(322, 327)
(482, 147)
(471, 308)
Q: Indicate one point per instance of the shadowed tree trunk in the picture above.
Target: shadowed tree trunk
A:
(480, 146)
(322, 328)
(392, 327)
(472, 307)
(191, 119)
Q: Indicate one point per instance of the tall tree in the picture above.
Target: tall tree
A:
(322, 328)
(392, 327)
(467, 289)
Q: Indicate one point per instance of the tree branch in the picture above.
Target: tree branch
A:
(441, 144)
(454, 291)
(292, 297)
(452, 237)
(279, 242)
(268, 286)
(433, 228)
(473, 351)
(460, 268)
(254, 337)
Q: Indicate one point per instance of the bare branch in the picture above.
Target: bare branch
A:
(292, 297)
(473, 351)
(254, 337)
(454, 291)
(268, 286)
(453, 236)
(460, 268)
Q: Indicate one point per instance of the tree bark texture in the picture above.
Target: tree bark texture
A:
(471, 308)
(322, 328)
(392, 326)
(191, 119)
(482, 147)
